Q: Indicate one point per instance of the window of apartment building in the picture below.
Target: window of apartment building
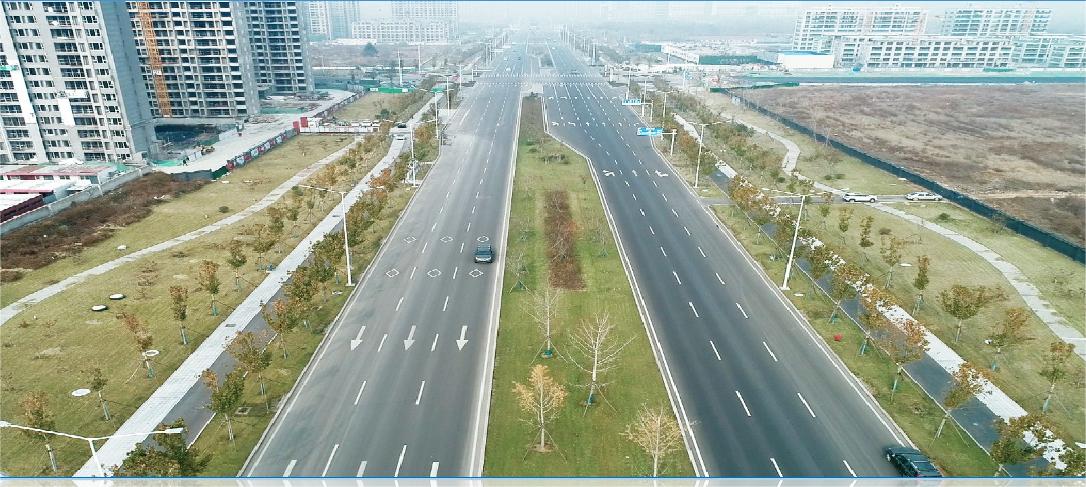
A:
(10, 109)
(90, 19)
(53, 144)
(55, 132)
(17, 5)
(58, 155)
(25, 32)
(18, 134)
(24, 46)
(36, 71)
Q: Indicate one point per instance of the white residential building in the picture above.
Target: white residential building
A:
(315, 17)
(397, 31)
(921, 52)
(278, 46)
(816, 23)
(988, 22)
(70, 86)
(1050, 51)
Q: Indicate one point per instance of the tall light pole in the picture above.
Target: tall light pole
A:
(795, 236)
(701, 144)
(663, 109)
(343, 208)
(90, 441)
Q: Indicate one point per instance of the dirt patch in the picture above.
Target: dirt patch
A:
(1065, 215)
(979, 139)
(83, 224)
(561, 234)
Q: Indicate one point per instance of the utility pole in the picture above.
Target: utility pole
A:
(399, 61)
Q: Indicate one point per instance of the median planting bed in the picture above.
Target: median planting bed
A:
(581, 439)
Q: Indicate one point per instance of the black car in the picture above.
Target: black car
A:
(911, 463)
(484, 254)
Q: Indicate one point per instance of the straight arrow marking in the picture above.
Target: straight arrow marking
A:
(462, 341)
(410, 338)
(358, 338)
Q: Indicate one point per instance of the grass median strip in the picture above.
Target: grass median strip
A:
(555, 203)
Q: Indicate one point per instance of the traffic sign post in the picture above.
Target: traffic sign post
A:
(650, 131)
(631, 101)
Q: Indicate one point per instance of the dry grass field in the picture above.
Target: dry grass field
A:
(1019, 147)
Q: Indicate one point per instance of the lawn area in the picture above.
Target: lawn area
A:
(951, 263)
(227, 460)
(588, 439)
(687, 167)
(236, 191)
(369, 106)
(816, 160)
(1059, 278)
(54, 344)
(910, 407)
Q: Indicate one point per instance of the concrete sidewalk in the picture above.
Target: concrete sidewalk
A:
(13, 309)
(182, 381)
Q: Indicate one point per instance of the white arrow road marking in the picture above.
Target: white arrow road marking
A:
(433, 469)
(329, 462)
(410, 338)
(400, 461)
(809, 410)
(362, 468)
(462, 341)
(290, 468)
(744, 403)
(778, 469)
(358, 338)
(359, 396)
(419, 398)
(711, 344)
(771, 354)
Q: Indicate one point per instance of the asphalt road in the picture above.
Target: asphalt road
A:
(756, 390)
(401, 386)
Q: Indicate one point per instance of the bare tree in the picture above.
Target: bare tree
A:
(544, 311)
(1011, 332)
(520, 269)
(1056, 368)
(657, 433)
(598, 351)
(968, 381)
(541, 399)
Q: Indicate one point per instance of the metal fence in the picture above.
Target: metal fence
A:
(1044, 237)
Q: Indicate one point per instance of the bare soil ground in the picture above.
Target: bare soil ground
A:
(984, 140)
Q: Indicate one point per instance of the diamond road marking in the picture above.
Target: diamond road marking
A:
(446, 239)
(409, 239)
(484, 238)
(475, 273)
(392, 273)
(433, 273)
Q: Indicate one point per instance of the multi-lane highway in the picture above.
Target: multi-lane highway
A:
(401, 386)
(757, 391)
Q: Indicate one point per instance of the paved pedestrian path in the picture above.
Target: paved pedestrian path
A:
(154, 410)
(40, 295)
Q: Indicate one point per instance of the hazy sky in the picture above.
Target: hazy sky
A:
(1067, 16)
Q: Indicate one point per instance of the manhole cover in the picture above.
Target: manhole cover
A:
(433, 273)
(475, 273)
(446, 239)
(392, 273)
(409, 239)
(99, 307)
(116, 297)
(484, 238)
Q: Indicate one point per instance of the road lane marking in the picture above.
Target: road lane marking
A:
(691, 303)
(702, 251)
(634, 196)
(662, 251)
(400, 461)
(434, 345)
(651, 230)
(362, 468)
(424, 247)
(446, 305)
(775, 467)
(654, 183)
(400, 302)
(433, 227)
(382, 344)
(473, 210)
(737, 305)
(719, 278)
(642, 211)
(461, 247)
(454, 271)
(413, 269)
(329, 462)
(627, 183)
(290, 468)
(421, 388)
(744, 403)
(476, 195)
(711, 344)
(359, 396)
(687, 230)
(664, 196)
(849, 467)
(673, 212)
(677, 277)
(433, 469)
(469, 228)
(771, 354)
(809, 410)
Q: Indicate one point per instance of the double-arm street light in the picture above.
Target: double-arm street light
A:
(90, 441)
(343, 208)
(701, 144)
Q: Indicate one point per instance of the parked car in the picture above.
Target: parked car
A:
(484, 254)
(859, 198)
(923, 196)
(911, 463)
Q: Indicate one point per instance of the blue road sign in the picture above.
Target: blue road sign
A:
(631, 101)
(650, 131)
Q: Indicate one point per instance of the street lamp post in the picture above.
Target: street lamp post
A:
(343, 208)
(795, 236)
(701, 144)
(90, 441)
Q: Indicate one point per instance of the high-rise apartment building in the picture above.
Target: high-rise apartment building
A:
(413, 21)
(278, 45)
(70, 84)
(315, 18)
(996, 21)
(341, 16)
(814, 25)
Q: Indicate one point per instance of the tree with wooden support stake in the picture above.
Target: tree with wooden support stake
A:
(225, 397)
(657, 433)
(541, 399)
(967, 382)
(598, 352)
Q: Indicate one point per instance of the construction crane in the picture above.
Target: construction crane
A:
(150, 39)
